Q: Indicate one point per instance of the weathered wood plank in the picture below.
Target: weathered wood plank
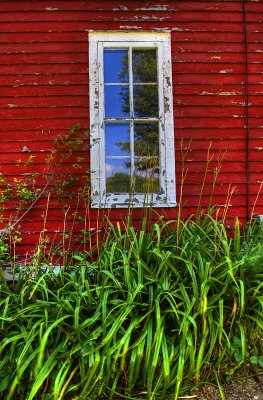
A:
(44, 90)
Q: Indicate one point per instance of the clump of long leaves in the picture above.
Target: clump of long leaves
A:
(159, 311)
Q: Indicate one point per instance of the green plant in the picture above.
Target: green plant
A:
(145, 316)
(20, 194)
(242, 354)
(65, 152)
(144, 312)
(4, 251)
(255, 358)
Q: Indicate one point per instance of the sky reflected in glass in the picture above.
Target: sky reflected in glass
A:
(116, 66)
(117, 101)
(117, 138)
(144, 105)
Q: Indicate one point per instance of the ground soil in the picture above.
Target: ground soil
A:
(240, 389)
(243, 389)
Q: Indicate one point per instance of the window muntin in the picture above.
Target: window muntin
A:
(131, 98)
(132, 135)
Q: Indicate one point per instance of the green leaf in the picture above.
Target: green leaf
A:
(238, 356)
(254, 360)
(237, 340)
(4, 383)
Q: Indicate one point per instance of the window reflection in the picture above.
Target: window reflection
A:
(116, 101)
(145, 101)
(118, 175)
(144, 66)
(146, 150)
(123, 174)
(117, 138)
(116, 66)
(147, 179)
(146, 139)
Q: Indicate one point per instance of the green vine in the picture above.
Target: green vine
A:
(19, 194)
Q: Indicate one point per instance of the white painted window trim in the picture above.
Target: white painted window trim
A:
(97, 42)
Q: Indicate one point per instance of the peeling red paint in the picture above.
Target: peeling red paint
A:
(44, 85)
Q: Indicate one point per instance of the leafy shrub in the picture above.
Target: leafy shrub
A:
(158, 311)
(4, 251)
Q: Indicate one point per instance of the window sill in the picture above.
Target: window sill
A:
(139, 201)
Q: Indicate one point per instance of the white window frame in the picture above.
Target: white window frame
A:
(97, 42)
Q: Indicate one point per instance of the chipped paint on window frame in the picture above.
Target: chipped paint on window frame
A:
(162, 42)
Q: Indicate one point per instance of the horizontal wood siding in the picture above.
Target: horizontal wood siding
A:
(44, 92)
(254, 15)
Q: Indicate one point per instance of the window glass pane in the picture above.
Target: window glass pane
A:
(146, 140)
(118, 175)
(144, 65)
(147, 179)
(117, 101)
(116, 66)
(117, 138)
(145, 101)
(146, 150)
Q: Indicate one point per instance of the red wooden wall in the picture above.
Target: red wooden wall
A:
(217, 53)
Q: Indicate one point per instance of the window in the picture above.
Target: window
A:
(131, 117)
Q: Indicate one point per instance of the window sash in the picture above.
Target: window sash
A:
(132, 120)
(99, 42)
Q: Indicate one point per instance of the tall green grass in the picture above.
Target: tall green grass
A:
(159, 311)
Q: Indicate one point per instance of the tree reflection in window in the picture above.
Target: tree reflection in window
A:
(131, 120)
